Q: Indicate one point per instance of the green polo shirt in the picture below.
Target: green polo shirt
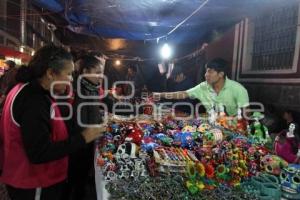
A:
(233, 96)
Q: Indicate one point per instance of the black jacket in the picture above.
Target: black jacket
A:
(31, 109)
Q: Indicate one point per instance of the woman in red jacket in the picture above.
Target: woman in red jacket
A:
(34, 142)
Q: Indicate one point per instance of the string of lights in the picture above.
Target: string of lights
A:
(180, 24)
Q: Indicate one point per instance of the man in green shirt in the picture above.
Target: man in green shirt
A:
(216, 92)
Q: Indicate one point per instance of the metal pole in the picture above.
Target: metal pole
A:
(23, 21)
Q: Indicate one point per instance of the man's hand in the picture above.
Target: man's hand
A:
(179, 78)
(90, 134)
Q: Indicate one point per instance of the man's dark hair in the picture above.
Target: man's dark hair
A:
(218, 64)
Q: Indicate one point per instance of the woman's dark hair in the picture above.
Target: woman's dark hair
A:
(290, 112)
(49, 56)
(11, 64)
(88, 62)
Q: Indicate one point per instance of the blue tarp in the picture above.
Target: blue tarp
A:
(150, 19)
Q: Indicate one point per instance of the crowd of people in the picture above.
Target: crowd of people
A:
(46, 149)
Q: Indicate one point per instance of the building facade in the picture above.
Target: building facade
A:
(22, 30)
(263, 52)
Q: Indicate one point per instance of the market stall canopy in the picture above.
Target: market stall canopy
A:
(180, 21)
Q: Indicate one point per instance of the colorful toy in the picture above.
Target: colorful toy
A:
(212, 116)
(185, 140)
(290, 181)
(273, 164)
(171, 124)
(189, 129)
(173, 159)
(212, 137)
(193, 185)
(257, 131)
(209, 171)
(211, 157)
(164, 139)
(222, 172)
(241, 124)
(148, 147)
(203, 128)
(136, 135)
(127, 150)
(222, 118)
(287, 149)
(200, 168)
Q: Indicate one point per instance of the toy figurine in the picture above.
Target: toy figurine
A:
(222, 118)
(212, 116)
(241, 125)
(285, 145)
(257, 131)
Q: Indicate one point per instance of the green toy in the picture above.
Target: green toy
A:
(193, 185)
(257, 131)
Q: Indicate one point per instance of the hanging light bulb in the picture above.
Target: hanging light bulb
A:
(165, 51)
(118, 62)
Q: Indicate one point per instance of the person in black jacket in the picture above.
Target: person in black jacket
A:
(87, 113)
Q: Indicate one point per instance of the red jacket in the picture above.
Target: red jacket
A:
(17, 170)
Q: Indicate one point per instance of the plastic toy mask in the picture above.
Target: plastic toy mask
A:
(213, 136)
(171, 124)
(218, 134)
(115, 129)
(136, 135)
(203, 128)
(128, 149)
(273, 164)
(185, 140)
(190, 129)
(290, 181)
(164, 139)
